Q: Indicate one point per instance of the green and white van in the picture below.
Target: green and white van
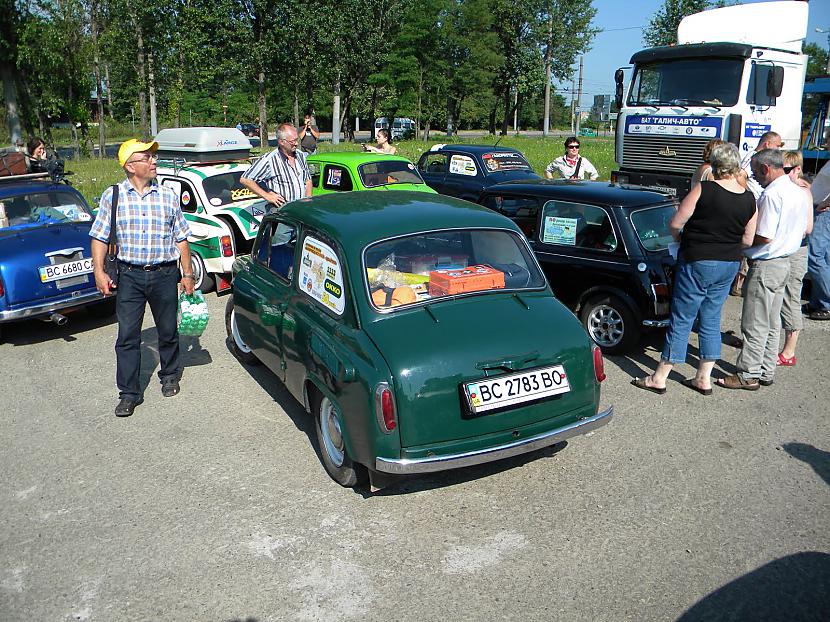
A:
(203, 166)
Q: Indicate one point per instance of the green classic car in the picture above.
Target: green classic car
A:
(418, 330)
(351, 170)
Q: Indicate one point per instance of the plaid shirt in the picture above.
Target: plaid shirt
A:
(147, 227)
(273, 171)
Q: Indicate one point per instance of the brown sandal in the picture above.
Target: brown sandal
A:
(736, 382)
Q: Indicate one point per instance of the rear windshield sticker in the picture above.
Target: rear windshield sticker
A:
(321, 276)
(241, 194)
(463, 165)
(216, 201)
(185, 197)
(559, 231)
(505, 161)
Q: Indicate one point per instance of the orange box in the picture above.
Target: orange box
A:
(469, 279)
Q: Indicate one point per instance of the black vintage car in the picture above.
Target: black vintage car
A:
(463, 171)
(604, 249)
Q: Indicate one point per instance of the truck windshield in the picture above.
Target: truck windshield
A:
(687, 82)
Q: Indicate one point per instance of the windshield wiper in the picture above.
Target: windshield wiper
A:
(697, 102)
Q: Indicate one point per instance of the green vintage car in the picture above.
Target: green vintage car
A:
(418, 330)
(352, 170)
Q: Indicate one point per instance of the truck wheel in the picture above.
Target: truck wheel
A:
(333, 452)
(610, 324)
(204, 281)
(237, 346)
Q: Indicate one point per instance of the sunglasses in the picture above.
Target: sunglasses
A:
(573, 146)
(788, 169)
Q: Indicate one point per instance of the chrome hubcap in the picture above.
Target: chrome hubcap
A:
(198, 271)
(237, 338)
(605, 325)
(332, 436)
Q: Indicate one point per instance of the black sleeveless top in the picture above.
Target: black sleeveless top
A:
(717, 225)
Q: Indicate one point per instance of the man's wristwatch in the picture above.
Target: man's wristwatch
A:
(188, 276)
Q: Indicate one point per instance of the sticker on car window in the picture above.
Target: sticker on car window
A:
(560, 230)
(321, 276)
(185, 197)
(463, 165)
(334, 177)
(216, 201)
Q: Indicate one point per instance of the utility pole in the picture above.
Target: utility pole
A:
(579, 96)
(546, 122)
(573, 101)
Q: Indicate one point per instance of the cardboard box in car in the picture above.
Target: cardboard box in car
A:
(469, 279)
(424, 264)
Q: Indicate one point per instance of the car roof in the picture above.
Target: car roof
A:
(597, 192)
(354, 158)
(356, 219)
(9, 188)
(476, 149)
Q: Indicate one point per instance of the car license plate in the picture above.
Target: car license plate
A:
(528, 386)
(671, 191)
(65, 270)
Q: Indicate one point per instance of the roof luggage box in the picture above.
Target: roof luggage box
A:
(203, 144)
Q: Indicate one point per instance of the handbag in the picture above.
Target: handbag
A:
(111, 259)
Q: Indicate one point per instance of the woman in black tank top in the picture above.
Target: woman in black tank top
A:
(715, 221)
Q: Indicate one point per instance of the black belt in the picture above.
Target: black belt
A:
(150, 267)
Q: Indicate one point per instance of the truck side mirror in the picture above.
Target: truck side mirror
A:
(775, 82)
(618, 93)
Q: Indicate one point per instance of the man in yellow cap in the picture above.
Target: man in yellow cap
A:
(151, 234)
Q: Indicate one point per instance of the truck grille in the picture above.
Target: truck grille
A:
(643, 153)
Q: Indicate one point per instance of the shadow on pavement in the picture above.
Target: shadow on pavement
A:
(29, 332)
(795, 588)
(816, 458)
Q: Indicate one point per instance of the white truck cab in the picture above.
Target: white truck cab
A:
(203, 166)
(736, 73)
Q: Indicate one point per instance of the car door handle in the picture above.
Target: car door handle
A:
(512, 363)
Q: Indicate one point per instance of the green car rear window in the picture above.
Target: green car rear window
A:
(388, 172)
(439, 264)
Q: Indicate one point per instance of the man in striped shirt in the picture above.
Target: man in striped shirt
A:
(282, 175)
(151, 234)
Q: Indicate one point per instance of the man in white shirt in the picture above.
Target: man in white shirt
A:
(782, 223)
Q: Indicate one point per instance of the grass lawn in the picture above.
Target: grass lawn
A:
(91, 176)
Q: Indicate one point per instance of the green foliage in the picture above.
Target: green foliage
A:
(662, 29)
(817, 61)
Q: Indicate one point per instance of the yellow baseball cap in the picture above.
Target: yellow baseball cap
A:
(129, 147)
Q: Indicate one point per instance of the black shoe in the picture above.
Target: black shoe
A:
(765, 383)
(169, 388)
(820, 314)
(126, 406)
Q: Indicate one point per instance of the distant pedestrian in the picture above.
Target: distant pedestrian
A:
(713, 223)
(282, 175)
(782, 222)
(768, 140)
(791, 319)
(571, 165)
(152, 240)
(309, 134)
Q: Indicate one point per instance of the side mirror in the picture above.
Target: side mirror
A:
(618, 92)
(775, 82)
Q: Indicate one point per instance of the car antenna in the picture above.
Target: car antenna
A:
(498, 141)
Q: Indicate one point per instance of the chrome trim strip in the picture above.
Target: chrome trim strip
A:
(49, 307)
(66, 251)
(656, 323)
(454, 461)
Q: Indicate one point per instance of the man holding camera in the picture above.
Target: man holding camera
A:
(309, 135)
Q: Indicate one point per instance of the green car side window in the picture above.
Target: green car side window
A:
(336, 178)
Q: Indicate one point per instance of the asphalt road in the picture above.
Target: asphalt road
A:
(213, 505)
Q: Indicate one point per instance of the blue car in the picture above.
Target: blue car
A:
(45, 258)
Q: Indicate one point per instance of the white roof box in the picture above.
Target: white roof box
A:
(780, 25)
(203, 144)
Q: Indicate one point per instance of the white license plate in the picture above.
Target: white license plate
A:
(65, 270)
(671, 191)
(528, 386)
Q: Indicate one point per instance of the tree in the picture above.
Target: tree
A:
(662, 29)
(817, 62)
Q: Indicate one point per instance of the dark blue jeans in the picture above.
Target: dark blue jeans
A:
(137, 288)
(818, 262)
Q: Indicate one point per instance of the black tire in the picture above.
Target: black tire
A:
(610, 323)
(204, 281)
(340, 467)
(102, 309)
(235, 343)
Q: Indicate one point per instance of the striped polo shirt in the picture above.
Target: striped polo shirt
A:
(147, 226)
(273, 171)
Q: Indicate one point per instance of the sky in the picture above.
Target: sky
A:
(622, 35)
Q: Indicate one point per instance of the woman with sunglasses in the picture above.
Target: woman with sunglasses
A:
(571, 165)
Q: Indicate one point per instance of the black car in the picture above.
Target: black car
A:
(249, 129)
(604, 249)
(463, 171)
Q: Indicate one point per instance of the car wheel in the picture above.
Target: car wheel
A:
(336, 460)
(237, 346)
(610, 324)
(204, 281)
(105, 308)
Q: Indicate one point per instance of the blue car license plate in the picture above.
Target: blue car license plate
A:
(66, 270)
(501, 391)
